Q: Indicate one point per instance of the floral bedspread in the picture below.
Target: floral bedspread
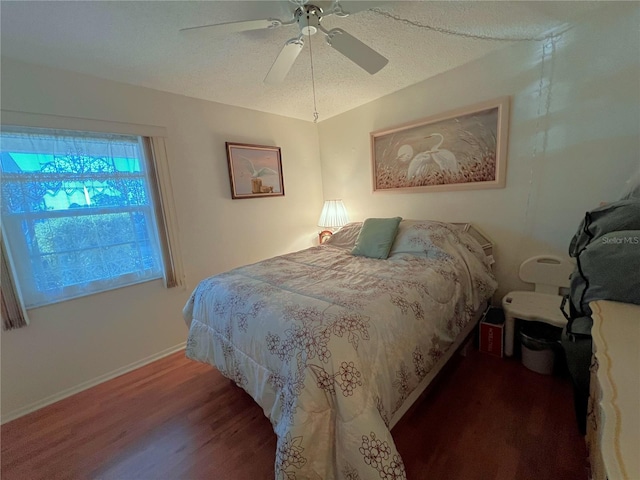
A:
(330, 345)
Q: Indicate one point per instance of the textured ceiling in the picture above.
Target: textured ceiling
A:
(139, 42)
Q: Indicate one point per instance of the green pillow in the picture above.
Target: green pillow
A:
(376, 237)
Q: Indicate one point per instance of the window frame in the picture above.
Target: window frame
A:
(159, 212)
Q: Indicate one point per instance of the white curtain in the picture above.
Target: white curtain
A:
(14, 315)
(165, 212)
(86, 212)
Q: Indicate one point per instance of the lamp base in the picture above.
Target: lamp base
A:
(324, 235)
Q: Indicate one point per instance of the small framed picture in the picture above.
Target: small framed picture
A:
(254, 170)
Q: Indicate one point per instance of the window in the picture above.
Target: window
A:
(78, 212)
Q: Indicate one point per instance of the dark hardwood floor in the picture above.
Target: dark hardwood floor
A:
(485, 418)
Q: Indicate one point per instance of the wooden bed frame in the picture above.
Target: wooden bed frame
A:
(426, 381)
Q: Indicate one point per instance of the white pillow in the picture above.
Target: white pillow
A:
(345, 237)
(419, 236)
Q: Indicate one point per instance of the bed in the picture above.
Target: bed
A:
(336, 347)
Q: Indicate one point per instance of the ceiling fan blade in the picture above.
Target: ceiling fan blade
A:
(284, 62)
(232, 27)
(356, 51)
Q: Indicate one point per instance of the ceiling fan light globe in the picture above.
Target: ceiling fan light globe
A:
(309, 30)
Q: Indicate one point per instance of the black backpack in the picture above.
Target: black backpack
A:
(607, 252)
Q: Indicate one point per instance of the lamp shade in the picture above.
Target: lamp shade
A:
(333, 215)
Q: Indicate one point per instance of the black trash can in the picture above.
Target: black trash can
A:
(540, 341)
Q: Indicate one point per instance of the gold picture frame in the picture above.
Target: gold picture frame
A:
(461, 149)
(254, 170)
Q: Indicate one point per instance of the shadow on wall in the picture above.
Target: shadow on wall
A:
(579, 142)
(508, 261)
(573, 138)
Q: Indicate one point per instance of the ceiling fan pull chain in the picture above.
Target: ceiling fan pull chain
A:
(313, 81)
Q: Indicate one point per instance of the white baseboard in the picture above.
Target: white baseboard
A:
(32, 407)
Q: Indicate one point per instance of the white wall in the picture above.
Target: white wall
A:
(78, 340)
(572, 143)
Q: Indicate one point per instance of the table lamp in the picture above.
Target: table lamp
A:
(333, 216)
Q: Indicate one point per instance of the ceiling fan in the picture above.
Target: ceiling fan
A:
(308, 18)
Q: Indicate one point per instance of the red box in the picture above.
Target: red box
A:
(492, 332)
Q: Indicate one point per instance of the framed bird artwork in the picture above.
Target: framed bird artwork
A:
(254, 170)
(460, 149)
